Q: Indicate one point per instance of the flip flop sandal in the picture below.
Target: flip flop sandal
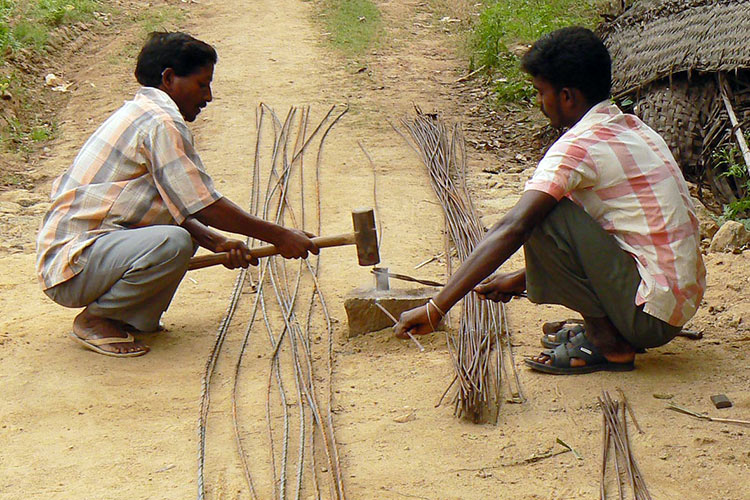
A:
(94, 344)
(562, 335)
(579, 347)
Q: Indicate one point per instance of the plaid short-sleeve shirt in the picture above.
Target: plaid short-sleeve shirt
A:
(138, 169)
(623, 175)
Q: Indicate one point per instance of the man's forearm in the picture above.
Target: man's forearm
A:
(501, 242)
(225, 215)
(204, 236)
(495, 249)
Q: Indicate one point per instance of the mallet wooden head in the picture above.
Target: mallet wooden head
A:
(366, 236)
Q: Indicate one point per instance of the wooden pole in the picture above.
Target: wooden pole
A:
(723, 86)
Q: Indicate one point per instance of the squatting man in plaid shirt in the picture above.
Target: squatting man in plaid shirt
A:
(127, 215)
(606, 222)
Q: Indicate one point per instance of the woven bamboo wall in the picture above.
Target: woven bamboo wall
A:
(678, 110)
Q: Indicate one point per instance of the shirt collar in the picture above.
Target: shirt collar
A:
(598, 113)
(159, 97)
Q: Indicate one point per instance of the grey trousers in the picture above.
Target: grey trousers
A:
(572, 261)
(130, 275)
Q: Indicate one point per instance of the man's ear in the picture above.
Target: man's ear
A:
(573, 99)
(568, 96)
(167, 78)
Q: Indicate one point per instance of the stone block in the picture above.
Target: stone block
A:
(363, 316)
(731, 237)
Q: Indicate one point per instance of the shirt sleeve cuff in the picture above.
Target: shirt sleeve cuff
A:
(197, 206)
(552, 189)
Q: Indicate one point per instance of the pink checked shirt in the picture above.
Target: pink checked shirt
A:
(622, 173)
(138, 169)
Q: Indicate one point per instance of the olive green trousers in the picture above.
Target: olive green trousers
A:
(572, 261)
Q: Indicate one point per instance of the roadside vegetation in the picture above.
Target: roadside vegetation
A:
(25, 28)
(27, 24)
(463, 13)
(352, 26)
(730, 162)
(29, 39)
(506, 27)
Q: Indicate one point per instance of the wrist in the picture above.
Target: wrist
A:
(215, 242)
(276, 234)
(519, 280)
(435, 307)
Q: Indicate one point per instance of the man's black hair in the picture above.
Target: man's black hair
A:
(179, 51)
(572, 57)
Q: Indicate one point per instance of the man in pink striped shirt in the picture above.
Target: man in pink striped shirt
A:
(606, 222)
(129, 212)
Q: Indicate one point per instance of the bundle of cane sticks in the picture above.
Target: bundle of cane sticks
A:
(627, 473)
(482, 352)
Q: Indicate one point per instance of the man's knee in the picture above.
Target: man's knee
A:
(181, 240)
(567, 226)
(176, 246)
(546, 236)
(60, 295)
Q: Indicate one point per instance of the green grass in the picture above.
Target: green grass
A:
(505, 23)
(27, 23)
(41, 134)
(159, 19)
(20, 136)
(22, 126)
(13, 180)
(59, 12)
(6, 9)
(460, 10)
(354, 25)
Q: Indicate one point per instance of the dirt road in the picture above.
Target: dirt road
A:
(78, 425)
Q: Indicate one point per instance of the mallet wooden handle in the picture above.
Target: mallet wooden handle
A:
(268, 250)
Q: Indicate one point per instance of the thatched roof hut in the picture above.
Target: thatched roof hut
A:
(655, 39)
(685, 63)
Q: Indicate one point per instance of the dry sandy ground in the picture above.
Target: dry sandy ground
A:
(77, 425)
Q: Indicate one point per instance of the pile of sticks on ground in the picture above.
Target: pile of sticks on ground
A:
(482, 352)
(290, 306)
(627, 475)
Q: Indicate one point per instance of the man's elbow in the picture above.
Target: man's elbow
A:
(513, 229)
(526, 215)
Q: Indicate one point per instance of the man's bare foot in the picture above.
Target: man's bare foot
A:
(608, 341)
(88, 327)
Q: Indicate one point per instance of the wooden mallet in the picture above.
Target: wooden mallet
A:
(364, 237)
